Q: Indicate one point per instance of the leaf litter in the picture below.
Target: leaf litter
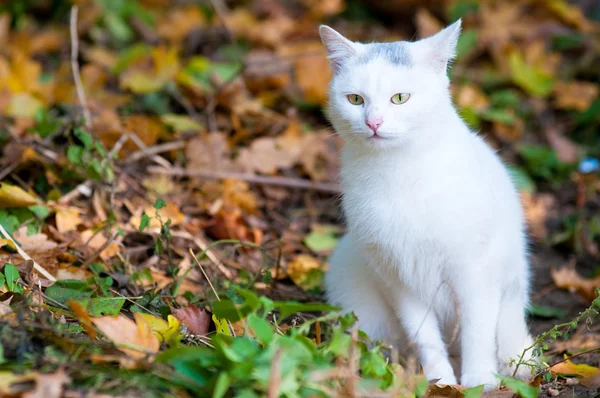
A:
(233, 93)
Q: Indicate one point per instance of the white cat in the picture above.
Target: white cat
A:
(435, 249)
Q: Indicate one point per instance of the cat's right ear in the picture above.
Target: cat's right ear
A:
(338, 47)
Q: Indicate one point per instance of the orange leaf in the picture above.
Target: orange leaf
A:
(83, 317)
(124, 332)
(568, 278)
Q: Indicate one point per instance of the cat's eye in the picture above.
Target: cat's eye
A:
(355, 99)
(400, 98)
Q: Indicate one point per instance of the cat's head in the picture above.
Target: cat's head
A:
(382, 92)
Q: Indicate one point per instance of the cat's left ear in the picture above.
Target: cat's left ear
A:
(440, 49)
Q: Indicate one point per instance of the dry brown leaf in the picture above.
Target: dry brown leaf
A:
(170, 211)
(231, 225)
(536, 207)
(566, 150)
(471, 96)
(196, 320)
(266, 71)
(209, 152)
(97, 240)
(237, 193)
(270, 32)
(177, 24)
(311, 69)
(264, 156)
(427, 23)
(37, 241)
(49, 385)
(124, 332)
(323, 8)
(577, 95)
(568, 278)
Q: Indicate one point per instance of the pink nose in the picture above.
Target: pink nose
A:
(374, 124)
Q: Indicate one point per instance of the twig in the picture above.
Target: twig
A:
(26, 256)
(204, 273)
(154, 150)
(275, 377)
(251, 178)
(83, 188)
(211, 286)
(204, 247)
(143, 147)
(99, 251)
(75, 67)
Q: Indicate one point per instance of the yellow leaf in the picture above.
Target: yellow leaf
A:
(163, 330)
(588, 375)
(222, 326)
(67, 219)
(165, 65)
(23, 105)
(6, 242)
(8, 378)
(300, 267)
(13, 196)
(181, 123)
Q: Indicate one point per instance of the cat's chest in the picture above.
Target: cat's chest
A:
(380, 207)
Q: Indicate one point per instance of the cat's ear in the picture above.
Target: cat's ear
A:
(338, 47)
(440, 49)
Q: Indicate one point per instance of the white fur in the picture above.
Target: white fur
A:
(435, 255)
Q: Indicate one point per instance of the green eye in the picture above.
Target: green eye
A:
(400, 98)
(355, 99)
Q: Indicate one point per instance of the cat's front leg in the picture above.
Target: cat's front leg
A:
(479, 309)
(423, 330)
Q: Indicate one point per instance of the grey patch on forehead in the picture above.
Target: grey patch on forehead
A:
(396, 53)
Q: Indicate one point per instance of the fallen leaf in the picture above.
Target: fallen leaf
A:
(13, 196)
(49, 385)
(577, 95)
(153, 72)
(164, 330)
(536, 207)
(566, 150)
(124, 332)
(181, 123)
(179, 22)
(322, 238)
(38, 241)
(568, 278)
(531, 78)
(427, 24)
(196, 320)
(83, 317)
(301, 270)
(67, 219)
(588, 375)
(311, 69)
(8, 378)
(169, 212)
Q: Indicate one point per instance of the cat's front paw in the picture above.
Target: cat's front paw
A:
(446, 380)
(489, 381)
